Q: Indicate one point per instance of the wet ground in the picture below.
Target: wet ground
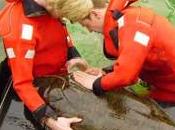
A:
(15, 119)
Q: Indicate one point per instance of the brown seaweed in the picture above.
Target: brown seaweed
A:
(117, 110)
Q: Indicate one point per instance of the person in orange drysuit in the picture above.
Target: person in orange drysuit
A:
(35, 47)
(143, 45)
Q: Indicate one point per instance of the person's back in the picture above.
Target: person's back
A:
(139, 41)
(157, 56)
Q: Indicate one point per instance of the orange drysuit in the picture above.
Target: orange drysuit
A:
(35, 47)
(144, 45)
(11, 0)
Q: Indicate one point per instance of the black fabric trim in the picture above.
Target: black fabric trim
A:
(72, 53)
(116, 14)
(165, 104)
(5, 74)
(97, 90)
(108, 69)
(114, 36)
(114, 32)
(28, 115)
(106, 54)
(32, 9)
(44, 111)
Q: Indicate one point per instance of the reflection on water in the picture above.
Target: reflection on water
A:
(16, 121)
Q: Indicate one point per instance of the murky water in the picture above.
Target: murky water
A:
(15, 119)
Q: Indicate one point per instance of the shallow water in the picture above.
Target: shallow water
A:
(15, 119)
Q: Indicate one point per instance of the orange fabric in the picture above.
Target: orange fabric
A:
(48, 41)
(119, 4)
(69, 40)
(11, 0)
(110, 23)
(4, 29)
(153, 62)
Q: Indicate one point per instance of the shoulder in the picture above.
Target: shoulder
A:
(139, 15)
(5, 19)
(15, 24)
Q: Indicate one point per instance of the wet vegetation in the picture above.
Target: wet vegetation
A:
(121, 110)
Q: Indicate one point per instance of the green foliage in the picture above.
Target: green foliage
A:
(1, 3)
(89, 45)
(163, 7)
(2, 52)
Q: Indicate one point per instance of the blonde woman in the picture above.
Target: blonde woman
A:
(74, 10)
(39, 46)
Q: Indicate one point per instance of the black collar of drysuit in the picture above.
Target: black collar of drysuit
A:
(32, 9)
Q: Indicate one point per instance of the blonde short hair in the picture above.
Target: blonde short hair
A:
(74, 10)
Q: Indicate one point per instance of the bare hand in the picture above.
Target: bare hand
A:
(62, 123)
(86, 80)
(77, 63)
(94, 71)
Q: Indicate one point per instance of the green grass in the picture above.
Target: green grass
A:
(162, 7)
(1, 3)
(2, 52)
(89, 45)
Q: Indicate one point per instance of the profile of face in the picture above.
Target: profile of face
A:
(95, 20)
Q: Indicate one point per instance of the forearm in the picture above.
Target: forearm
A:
(100, 87)
(29, 95)
(120, 77)
(108, 69)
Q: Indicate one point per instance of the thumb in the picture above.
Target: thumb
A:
(74, 120)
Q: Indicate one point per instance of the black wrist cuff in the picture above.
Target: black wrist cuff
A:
(108, 69)
(44, 111)
(72, 53)
(97, 89)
